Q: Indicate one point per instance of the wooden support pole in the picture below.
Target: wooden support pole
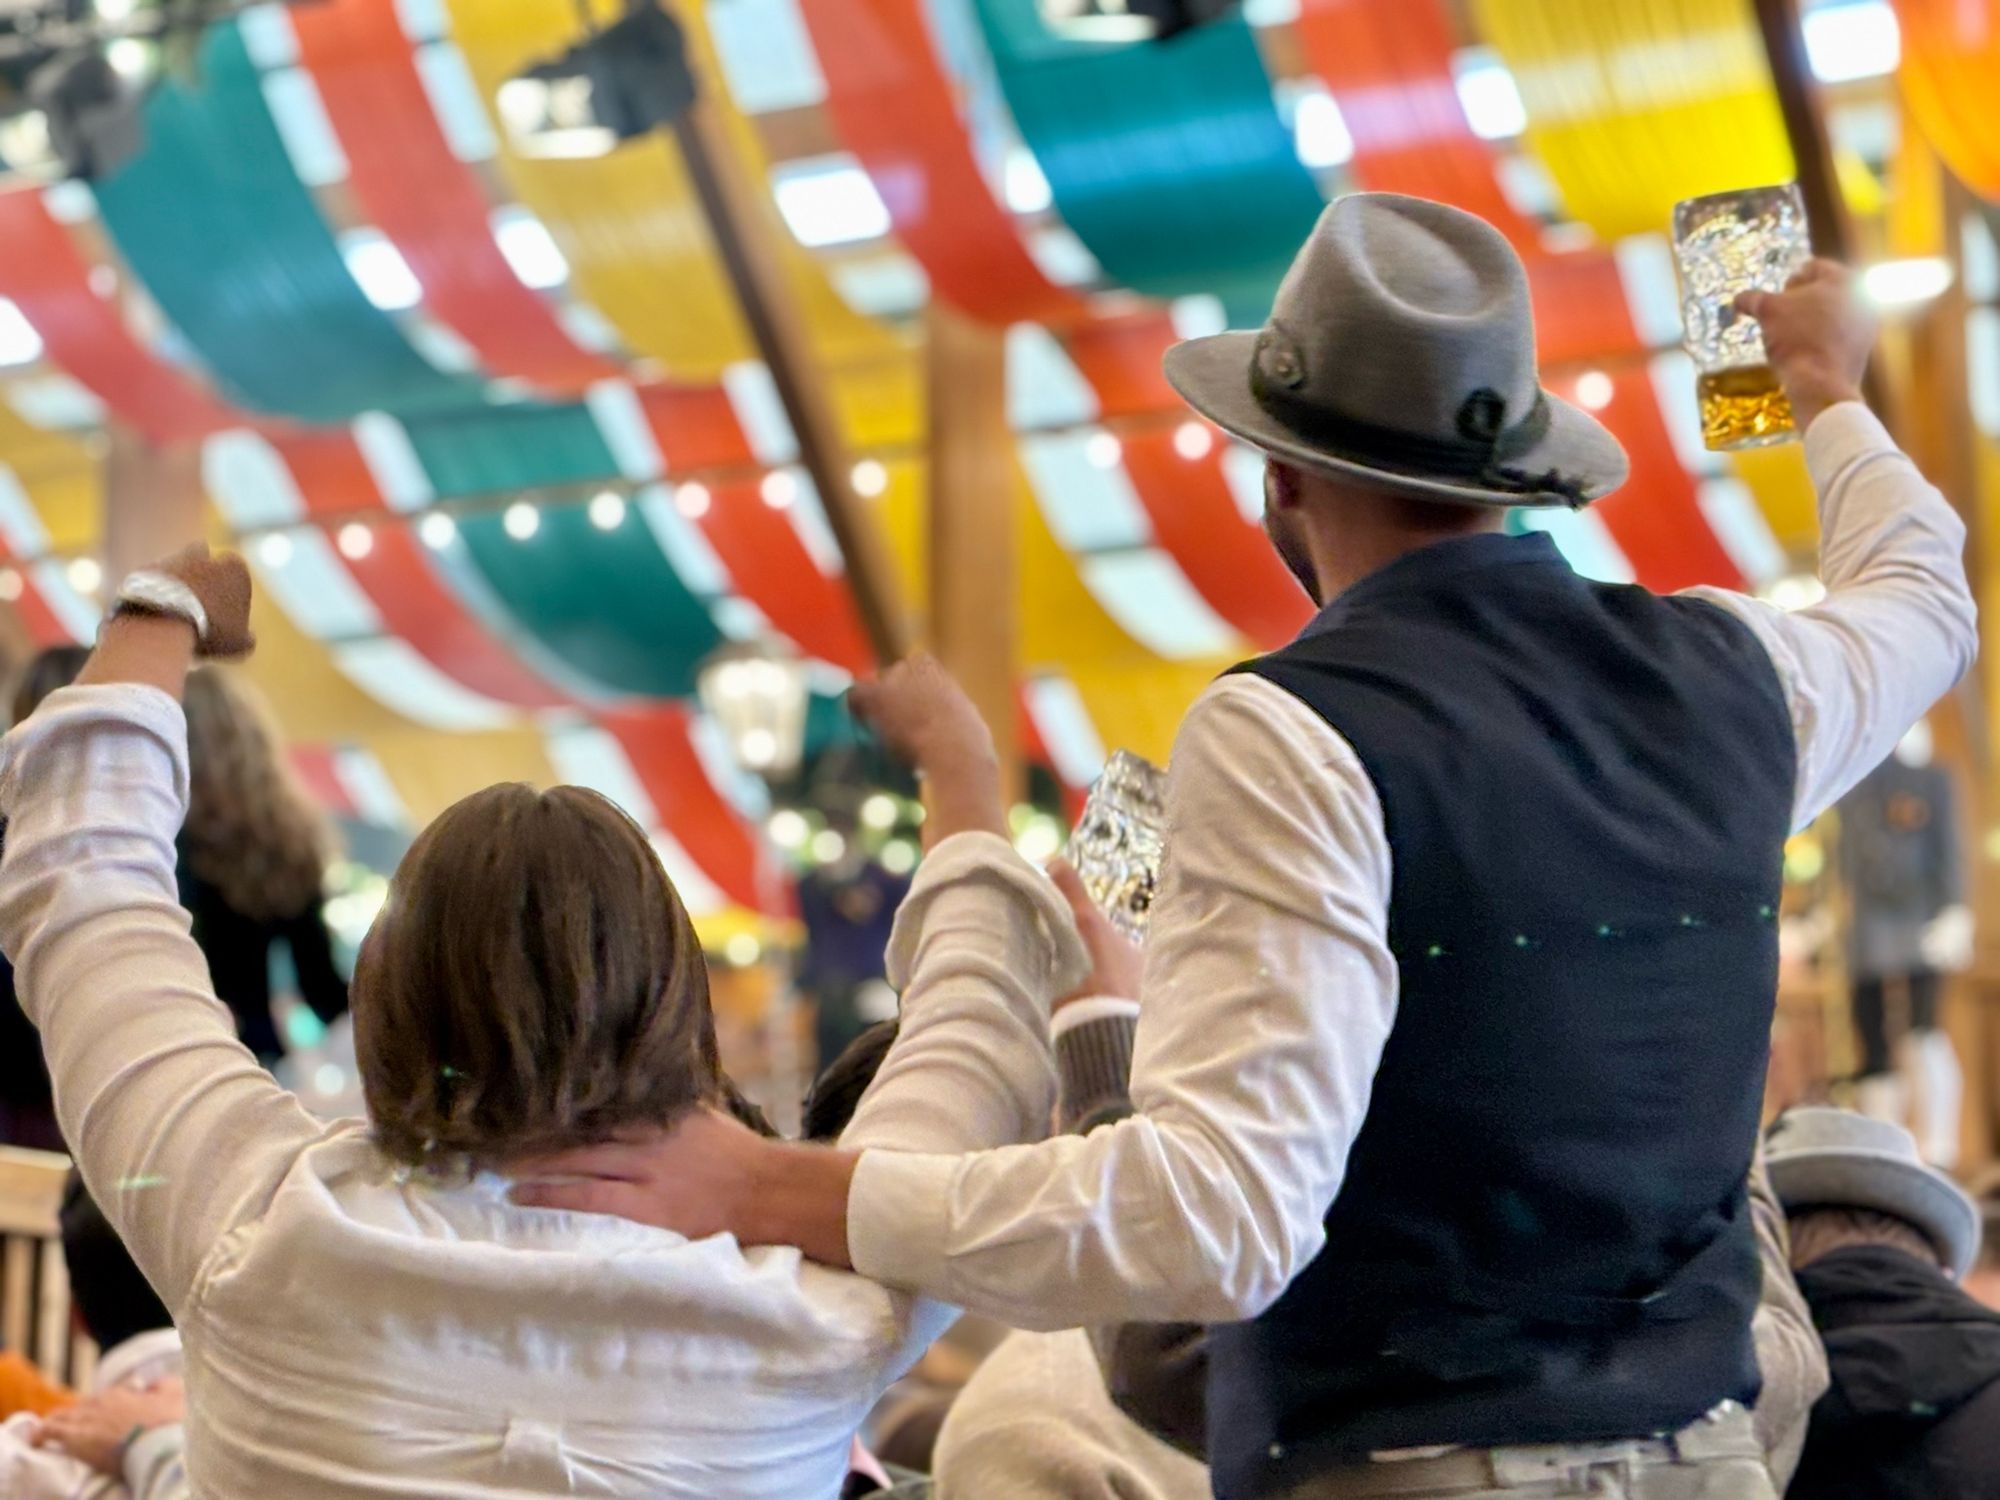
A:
(1812, 152)
(972, 561)
(747, 236)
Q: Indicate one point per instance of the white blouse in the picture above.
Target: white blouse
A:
(352, 1329)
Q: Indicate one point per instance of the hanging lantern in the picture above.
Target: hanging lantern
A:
(756, 690)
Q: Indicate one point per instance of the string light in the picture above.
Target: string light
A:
(437, 530)
(607, 510)
(692, 500)
(85, 576)
(1103, 450)
(789, 829)
(870, 478)
(828, 846)
(1193, 440)
(522, 520)
(1594, 390)
(274, 550)
(743, 950)
(899, 856)
(10, 585)
(779, 489)
(355, 541)
(879, 812)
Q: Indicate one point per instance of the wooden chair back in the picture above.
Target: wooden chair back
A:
(34, 1282)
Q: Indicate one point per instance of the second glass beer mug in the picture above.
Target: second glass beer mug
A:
(1727, 243)
(1119, 840)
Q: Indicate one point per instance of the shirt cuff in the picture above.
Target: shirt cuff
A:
(897, 1204)
(1094, 1063)
(1843, 433)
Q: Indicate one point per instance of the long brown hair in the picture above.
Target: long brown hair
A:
(252, 832)
(533, 983)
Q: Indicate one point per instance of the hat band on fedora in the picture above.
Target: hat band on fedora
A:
(1478, 451)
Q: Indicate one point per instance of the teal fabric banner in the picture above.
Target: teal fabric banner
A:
(231, 245)
(1168, 159)
(608, 604)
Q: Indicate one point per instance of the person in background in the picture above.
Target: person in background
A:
(27, 1112)
(1457, 1004)
(368, 1309)
(253, 856)
(125, 1437)
(1880, 1241)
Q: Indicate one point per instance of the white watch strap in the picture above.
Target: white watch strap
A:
(163, 594)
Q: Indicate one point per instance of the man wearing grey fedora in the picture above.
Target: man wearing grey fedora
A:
(1457, 997)
(1881, 1242)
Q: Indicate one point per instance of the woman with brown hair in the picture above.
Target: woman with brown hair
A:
(253, 860)
(368, 1310)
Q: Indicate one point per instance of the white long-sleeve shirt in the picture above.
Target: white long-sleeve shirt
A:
(351, 1329)
(1269, 990)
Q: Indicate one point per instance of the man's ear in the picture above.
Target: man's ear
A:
(1281, 485)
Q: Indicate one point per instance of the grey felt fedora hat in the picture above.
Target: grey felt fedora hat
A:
(1401, 351)
(1834, 1158)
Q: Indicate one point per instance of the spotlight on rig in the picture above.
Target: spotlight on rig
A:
(625, 81)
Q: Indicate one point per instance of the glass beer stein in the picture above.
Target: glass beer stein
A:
(1751, 240)
(1119, 839)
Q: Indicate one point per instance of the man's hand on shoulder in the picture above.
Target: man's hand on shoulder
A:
(1818, 334)
(706, 1175)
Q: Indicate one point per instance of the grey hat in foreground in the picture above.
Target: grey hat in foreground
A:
(1401, 352)
(1834, 1158)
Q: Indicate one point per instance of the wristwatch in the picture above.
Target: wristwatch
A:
(151, 592)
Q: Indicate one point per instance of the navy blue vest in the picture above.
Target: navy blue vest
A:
(1542, 1235)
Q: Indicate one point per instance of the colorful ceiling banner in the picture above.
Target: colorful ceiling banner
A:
(43, 272)
(606, 601)
(398, 575)
(1177, 475)
(638, 246)
(1656, 519)
(1389, 67)
(1168, 159)
(659, 743)
(1951, 63)
(1635, 104)
(231, 245)
(432, 208)
(890, 100)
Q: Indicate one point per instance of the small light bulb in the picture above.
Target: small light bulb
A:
(828, 846)
(789, 829)
(10, 585)
(607, 510)
(355, 541)
(870, 478)
(85, 576)
(899, 856)
(692, 500)
(1594, 390)
(437, 530)
(743, 950)
(1103, 450)
(1193, 440)
(779, 489)
(274, 550)
(522, 520)
(879, 812)
(760, 749)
